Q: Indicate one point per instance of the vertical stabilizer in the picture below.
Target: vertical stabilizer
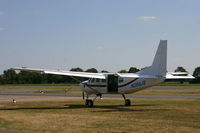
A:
(159, 65)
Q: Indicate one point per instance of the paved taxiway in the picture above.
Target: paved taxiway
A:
(8, 93)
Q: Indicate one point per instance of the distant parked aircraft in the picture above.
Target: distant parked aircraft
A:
(122, 83)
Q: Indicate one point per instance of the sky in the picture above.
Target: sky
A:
(105, 34)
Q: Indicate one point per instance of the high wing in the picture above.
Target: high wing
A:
(67, 73)
(84, 74)
(179, 75)
(172, 75)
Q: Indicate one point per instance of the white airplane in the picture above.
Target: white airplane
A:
(122, 83)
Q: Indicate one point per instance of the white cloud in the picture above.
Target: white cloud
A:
(2, 29)
(1, 13)
(148, 18)
(100, 48)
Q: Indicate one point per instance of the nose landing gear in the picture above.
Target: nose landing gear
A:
(89, 102)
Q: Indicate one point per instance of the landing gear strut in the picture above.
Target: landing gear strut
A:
(127, 101)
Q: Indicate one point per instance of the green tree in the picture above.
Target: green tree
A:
(25, 77)
(196, 74)
(1, 80)
(76, 69)
(9, 77)
(51, 78)
(122, 71)
(133, 70)
(92, 70)
(180, 69)
(37, 78)
(104, 71)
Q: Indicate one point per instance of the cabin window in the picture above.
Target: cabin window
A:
(121, 80)
(103, 80)
(92, 80)
(97, 80)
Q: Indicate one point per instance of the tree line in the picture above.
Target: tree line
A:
(23, 77)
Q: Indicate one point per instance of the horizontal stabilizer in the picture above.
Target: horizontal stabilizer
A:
(179, 75)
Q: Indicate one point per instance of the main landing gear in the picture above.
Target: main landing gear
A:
(127, 101)
(89, 103)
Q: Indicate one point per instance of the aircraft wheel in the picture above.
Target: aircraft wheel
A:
(127, 102)
(89, 103)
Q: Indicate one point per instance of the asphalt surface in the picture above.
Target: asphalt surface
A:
(27, 93)
(10, 131)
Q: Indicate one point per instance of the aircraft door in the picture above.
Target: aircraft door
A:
(112, 83)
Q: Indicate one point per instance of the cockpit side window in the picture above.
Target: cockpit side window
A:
(92, 80)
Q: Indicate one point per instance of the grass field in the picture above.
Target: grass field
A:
(146, 115)
(108, 115)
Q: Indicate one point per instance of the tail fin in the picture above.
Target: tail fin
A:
(159, 65)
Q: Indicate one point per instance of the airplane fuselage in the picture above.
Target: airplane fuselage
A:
(120, 86)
